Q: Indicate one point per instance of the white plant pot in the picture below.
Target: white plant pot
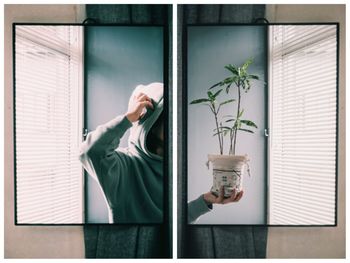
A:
(227, 171)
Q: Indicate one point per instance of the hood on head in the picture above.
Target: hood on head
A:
(140, 129)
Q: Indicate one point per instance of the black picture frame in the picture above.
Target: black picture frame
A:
(184, 116)
(167, 113)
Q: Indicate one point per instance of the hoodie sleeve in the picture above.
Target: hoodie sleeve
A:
(98, 155)
(196, 208)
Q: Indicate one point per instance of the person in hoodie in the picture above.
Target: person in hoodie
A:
(131, 178)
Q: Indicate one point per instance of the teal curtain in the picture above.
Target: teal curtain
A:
(212, 241)
(134, 241)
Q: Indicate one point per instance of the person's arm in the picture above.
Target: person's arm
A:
(99, 158)
(196, 208)
(204, 203)
(97, 152)
(101, 144)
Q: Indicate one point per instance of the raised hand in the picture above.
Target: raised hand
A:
(137, 108)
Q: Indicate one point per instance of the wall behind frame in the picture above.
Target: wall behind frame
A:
(315, 242)
(33, 241)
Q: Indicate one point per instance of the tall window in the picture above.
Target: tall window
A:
(303, 119)
(48, 124)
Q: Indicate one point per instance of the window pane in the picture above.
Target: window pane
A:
(48, 122)
(303, 116)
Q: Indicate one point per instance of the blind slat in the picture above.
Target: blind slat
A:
(303, 102)
(48, 103)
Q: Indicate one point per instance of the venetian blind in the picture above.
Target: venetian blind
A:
(303, 119)
(48, 124)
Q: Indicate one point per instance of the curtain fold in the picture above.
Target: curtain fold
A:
(139, 241)
(212, 241)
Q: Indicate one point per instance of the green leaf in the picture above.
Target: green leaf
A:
(215, 85)
(247, 63)
(228, 88)
(217, 133)
(232, 68)
(245, 130)
(228, 81)
(246, 85)
(227, 101)
(249, 123)
(236, 79)
(222, 131)
(241, 113)
(217, 93)
(243, 75)
(222, 128)
(253, 77)
(199, 101)
(210, 96)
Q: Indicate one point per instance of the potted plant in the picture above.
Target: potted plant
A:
(228, 169)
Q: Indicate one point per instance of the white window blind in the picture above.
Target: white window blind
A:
(303, 117)
(48, 123)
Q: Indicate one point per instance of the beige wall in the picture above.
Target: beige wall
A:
(33, 241)
(316, 242)
(67, 242)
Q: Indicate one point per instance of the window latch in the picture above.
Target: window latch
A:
(85, 132)
(266, 132)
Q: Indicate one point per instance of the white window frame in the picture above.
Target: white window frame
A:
(270, 120)
(80, 111)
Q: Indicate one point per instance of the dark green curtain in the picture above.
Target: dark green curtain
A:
(212, 241)
(117, 241)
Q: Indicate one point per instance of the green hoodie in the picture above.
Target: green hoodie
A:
(131, 178)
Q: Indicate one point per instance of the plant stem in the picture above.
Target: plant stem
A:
(217, 127)
(231, 137)
(234, 143)
(238, 110)
(222, 139)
